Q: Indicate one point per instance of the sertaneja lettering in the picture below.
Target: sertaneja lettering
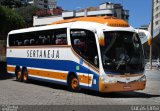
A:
(43, 54)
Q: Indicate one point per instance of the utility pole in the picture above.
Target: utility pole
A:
(150, 54)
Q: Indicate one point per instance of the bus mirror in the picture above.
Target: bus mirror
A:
(145, 36)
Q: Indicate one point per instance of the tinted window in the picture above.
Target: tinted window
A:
(46, 37)
(84, 43)
(122, 52)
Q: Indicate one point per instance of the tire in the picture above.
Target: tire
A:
(25, 75)
(73, 84)
(18, 74)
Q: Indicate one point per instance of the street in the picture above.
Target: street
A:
(13, 92)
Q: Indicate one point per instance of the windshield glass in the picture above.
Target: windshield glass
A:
(122, 52)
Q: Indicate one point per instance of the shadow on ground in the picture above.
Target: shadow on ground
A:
(3, 72)
(121, 94)
(95, 93)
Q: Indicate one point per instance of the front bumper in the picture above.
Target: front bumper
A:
(121, 87)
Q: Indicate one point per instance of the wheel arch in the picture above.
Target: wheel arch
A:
(70, 74)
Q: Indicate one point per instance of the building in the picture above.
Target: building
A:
(118, 10)
(156, 29)
(45, 4)
(156, 14)
(27, 1)
(104, 9)
(144, 27)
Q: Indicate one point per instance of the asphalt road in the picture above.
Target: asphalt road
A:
(42, 93)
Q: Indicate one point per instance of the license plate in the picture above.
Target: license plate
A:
(127, 87)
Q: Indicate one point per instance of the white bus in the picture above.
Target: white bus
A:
(104, 54)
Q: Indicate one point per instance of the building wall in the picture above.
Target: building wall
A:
(156, 29)
(156, 14)
(45, 4)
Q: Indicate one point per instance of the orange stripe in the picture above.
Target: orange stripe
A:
(55, 75)
(106, 20)
(84, 79)
(11, 69)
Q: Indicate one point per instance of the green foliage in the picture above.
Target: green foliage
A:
(11, 3)
(27, 13)
(10, 20)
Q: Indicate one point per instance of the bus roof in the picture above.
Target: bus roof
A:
(108, 23)
(106, 20)
(32, 29)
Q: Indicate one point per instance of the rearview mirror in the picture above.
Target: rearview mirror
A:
(145, 36)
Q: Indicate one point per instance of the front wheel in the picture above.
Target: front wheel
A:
(74, 84)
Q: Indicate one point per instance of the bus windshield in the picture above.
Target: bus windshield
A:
(122, 53)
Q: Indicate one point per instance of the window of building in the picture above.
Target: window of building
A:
(157, 1)
(156, 16)
(45, 1)
(45, 6)
(157, 8)
(156, 22)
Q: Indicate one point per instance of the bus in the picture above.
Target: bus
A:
(103, 54)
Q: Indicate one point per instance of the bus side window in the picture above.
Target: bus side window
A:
(45, 41)
(32, 42)
(60, 37)
(52, 39)
(84, 43)
(26, 42)
(19, 43)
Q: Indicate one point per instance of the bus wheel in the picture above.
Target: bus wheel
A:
(18, 74)
(25, 75)
(74, 83)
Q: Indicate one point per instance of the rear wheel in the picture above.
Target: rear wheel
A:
(18, 74)
(74, 83)
(25, 75)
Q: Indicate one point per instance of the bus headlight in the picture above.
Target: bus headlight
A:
(142, 79)
(106, 79)
(103, 78)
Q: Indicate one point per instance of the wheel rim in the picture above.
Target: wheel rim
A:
(74, 83)
(18, 74)
(25, 75)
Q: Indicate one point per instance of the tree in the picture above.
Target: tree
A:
(10, 20)
(27, 13)
(11, 3)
